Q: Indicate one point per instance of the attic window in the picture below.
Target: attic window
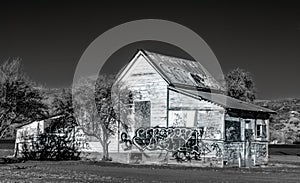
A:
(198, 79)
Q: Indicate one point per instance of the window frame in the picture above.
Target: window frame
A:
(134, 112)
(261, 127)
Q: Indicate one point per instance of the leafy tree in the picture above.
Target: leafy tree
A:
(19, 101)
(97, 111)
(240, 85)
(58, 142)
(63, 106)
(11, 70)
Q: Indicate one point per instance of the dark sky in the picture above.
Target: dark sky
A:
(262, 38)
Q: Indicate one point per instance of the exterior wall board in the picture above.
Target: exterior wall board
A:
(148, 85)
(26, 132)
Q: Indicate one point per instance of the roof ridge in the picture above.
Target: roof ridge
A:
(166, 55)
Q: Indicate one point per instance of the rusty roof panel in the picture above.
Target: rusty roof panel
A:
(183, 71)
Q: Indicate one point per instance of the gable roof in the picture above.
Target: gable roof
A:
(190, 77)
(177, 71)
(224, 100)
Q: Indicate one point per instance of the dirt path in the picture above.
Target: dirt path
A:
(103, 172)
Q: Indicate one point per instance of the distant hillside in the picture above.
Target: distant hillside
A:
(285, 125)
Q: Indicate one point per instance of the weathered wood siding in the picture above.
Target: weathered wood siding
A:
(148, 85)
(196, 113)
(178, 100)
(26, 132)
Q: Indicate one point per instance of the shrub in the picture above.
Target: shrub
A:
(49, 146)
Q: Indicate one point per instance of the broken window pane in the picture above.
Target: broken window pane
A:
(232, 131)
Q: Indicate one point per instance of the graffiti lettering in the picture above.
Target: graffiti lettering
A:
(184, 143)
(212, 133)
(232, 151)
(261, 150)
(127, 142)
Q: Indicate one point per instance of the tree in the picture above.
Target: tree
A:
(240, 85)
(58, 142)
(63, 106)
(96, 109)
(19, 101)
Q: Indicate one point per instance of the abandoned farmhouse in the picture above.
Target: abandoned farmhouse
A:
(180, 114)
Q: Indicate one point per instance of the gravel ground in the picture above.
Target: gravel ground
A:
(79, 171)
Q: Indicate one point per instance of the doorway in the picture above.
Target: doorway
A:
(248, 140)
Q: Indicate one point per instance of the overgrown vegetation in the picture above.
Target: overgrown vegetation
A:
(49, 146)
(62, 105)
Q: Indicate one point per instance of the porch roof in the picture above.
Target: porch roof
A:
(223, 100)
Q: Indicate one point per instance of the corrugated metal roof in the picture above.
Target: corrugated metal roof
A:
(183, 71)
(225, 101)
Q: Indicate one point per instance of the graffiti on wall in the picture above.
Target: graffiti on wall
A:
(80, 139)
(209, 118)
(261, 151)
(180, 119)
(184, 143)
(212, 133)
(126, 141)
(232, 153)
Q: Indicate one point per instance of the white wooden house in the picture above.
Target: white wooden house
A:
(180, 115)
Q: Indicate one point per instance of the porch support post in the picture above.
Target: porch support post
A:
(119, 117)
(168, 97)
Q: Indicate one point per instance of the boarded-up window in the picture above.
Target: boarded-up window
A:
(178, 118)
(233, 131)
(209, 119)
(142, 114)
